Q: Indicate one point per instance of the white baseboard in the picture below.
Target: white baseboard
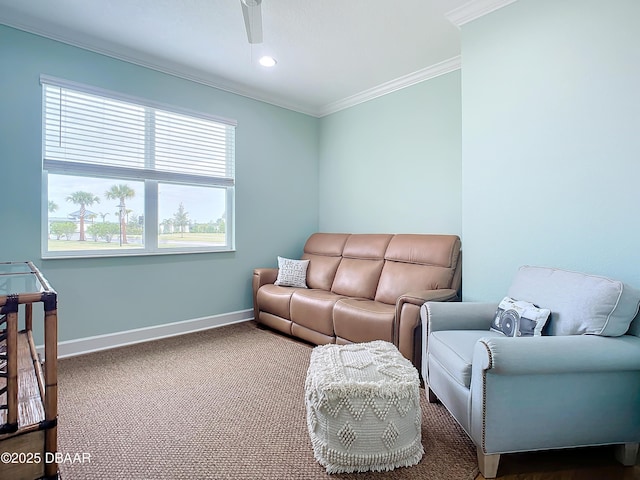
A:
(80, 346)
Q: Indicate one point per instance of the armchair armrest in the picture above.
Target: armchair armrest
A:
(261, 276)
(586, 381)
(557, 354)
(457, 315)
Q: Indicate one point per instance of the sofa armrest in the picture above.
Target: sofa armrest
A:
(407, 319)
(408, 323)
(557, 354)
(261, 276)
(457, 315)
(418, 297)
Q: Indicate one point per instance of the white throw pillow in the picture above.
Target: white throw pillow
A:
(516, 318)
(292, 273)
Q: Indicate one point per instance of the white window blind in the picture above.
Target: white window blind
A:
(89, 133)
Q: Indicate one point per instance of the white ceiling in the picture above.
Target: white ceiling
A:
(331, 53)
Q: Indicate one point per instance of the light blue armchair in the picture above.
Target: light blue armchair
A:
(576, 385)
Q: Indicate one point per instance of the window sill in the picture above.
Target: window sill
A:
(133, 254)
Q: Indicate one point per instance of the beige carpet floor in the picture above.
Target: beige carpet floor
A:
(226, 403)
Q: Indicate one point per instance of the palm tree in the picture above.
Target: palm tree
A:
(53, 206)
(181, 219)
(84, 199)
(121, 192)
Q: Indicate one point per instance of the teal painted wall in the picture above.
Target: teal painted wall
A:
(276, 194)
(530, 154)
(551, 111)
(392, 164)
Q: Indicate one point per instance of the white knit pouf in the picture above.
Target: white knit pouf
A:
(363, 408)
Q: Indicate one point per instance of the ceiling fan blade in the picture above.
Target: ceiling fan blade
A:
(252, 13)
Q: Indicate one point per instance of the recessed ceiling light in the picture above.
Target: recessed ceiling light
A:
(267, 61)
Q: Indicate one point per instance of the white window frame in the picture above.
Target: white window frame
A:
(150, 176)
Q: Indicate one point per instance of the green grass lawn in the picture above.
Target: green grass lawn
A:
(174, 240)
(165, 240)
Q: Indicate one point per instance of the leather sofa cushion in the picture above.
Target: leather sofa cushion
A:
(453, 350)
(440, 250)
(357, 278)
(366, 246)
(321, 270)
(398, 278)
(324, 250)
(359, 320)
(276, 322)
(330, 244)
(362, 261)
(311, 335)
(275, 300)
(314, 309)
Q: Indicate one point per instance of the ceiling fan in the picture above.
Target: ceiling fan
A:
(252, 13)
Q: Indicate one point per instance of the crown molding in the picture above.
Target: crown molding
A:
(137, 58)
(433, 71)
(474, 9)
(179, 71)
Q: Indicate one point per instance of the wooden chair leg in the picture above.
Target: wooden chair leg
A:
(627, 454)
(488, 464)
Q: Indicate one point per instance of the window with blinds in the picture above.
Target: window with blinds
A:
(125, 176)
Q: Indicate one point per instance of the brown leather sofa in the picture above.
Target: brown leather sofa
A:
(362, 287)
